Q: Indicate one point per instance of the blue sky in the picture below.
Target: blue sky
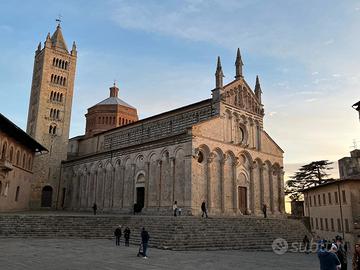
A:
(163, 55)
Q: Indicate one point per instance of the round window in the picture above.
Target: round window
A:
(200, 157)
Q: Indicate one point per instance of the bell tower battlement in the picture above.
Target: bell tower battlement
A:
(50, 111)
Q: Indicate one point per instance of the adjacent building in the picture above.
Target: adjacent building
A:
(17, 155)
(334, 209)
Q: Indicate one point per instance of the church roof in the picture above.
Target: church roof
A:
(58, 41)
(115, 101)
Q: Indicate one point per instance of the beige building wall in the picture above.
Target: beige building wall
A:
(16, 172)
(324, 204)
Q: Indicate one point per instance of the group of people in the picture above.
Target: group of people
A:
(118, 234)
(144, 239)
(333, 254)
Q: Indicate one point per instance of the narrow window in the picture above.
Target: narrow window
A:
(50, 129)
(317, 223)
(18, 157)
(310, 201)
(64, 82)
(319, 201)
(23, 161)
(326, 224)
(347, 229)
(336, 198)
(321, 224)
(344, 196)
(61, 97)
(54, 130)
(17, 193)
(324, 199)
(332, 224)
(314, 200)
(329, 195)
(11, 153)
(339, 225)
(3, 153)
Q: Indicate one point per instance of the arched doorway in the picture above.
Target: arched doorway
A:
(242, 199)
(140, 192)
(46, 196)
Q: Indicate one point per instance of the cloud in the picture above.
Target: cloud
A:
(315, 73)
(311, 100)
(6, 28)
(328, 42)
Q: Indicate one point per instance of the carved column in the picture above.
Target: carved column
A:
(234, 195)
(112, 191)
(122, 175)
(271, 189)
(159, 163)
(147, 172)
(252, 187)
(103, 188)
(132, 183)
(221, 162)
(88, 189)
(172, 167)
(262, 199)
(187, 181)
(282, 194)
(208, 181)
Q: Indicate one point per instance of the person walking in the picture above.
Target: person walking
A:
(175, 208)
(94, 207)
(264, 208)
(306, 242)
(127, 236)
(117, 234)
(144, 241)
(356, 258)
(341, 252)
(203, 209)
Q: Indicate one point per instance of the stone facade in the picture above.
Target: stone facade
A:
(50, 111)
(16, 166)
(349, 167)
(215, 151)
(109, 113)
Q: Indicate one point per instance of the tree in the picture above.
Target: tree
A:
(309, 175)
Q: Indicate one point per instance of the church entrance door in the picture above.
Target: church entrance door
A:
(140, 197)
(46, 196)
(242, 197)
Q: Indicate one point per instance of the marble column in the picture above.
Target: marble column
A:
(147, 177)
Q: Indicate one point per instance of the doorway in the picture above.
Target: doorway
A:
(242, 199)
(140, 197)
(46, 196)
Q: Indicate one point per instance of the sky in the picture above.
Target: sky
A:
(163, 56)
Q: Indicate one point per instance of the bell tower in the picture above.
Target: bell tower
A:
(49, 115)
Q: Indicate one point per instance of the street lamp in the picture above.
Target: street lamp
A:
(356, 106)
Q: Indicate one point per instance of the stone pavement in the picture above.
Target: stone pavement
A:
(53, 254)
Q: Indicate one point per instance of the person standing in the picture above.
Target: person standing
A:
(356, 258)
(94, 207)
(127, 236)
(264, 208)
(203, 209)
(175, 208)
(341, 252)
(306, 242)
(144, 241)
(328, 259)
(117, 234)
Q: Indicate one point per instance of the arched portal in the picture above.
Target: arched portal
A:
(140, 192)
(46, 196)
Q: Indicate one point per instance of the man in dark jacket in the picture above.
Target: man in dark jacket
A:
(264, 208)
(144, 241)
(127, 236)
(117, 234)
(203, 209)
(328, 259)
(341, 252)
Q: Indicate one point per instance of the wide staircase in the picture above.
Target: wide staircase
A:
(177, 233)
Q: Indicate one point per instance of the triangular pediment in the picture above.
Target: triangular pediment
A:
(239, 94)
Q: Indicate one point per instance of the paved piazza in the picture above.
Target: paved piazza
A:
(103, 254)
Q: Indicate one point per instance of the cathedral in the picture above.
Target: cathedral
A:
(215, 150)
